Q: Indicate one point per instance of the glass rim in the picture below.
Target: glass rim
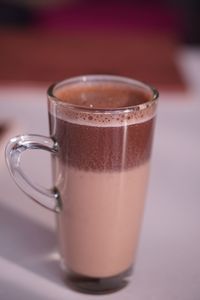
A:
(106, 78)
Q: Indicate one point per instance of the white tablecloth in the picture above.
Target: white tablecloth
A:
(168, 261)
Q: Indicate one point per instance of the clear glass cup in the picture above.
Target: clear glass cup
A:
(100, 167)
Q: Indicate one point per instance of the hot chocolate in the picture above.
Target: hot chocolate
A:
(101, 131)
(104, 150)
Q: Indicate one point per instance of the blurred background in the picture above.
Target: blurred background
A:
(47, 40)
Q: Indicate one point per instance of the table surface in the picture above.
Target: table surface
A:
(168, 260)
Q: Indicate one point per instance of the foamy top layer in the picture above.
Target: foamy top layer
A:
(103, 104)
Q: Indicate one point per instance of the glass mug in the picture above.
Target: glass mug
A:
(101, 131)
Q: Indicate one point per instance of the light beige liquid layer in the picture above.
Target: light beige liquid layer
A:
(100, 220)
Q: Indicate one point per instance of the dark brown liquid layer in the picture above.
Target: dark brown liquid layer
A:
(100, 142)
(103, 148)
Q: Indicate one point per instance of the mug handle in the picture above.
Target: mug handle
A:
(48, 198)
